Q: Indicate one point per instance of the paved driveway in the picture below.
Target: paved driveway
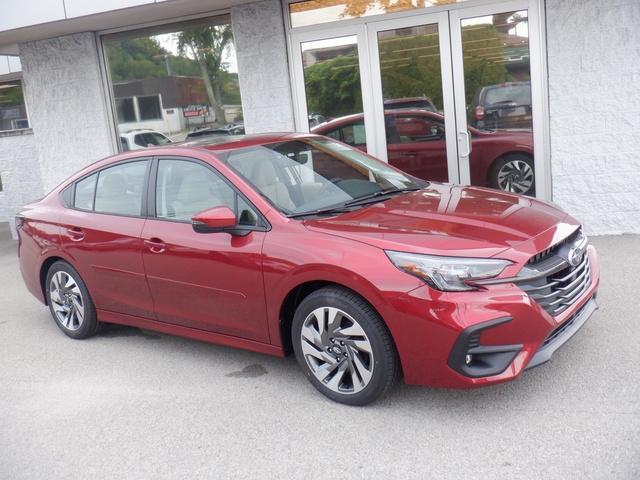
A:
(136, 404)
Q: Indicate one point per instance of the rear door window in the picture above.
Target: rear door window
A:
(119, 189)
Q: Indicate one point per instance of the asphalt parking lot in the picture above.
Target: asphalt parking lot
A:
(136, 404)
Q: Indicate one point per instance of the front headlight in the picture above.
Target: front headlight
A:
(448, 274)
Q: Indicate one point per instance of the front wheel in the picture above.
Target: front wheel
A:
(514, 173)
(343, 346)
(69, 302)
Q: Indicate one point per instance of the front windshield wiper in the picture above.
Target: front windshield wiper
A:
(362, 200)
(342, 208)
(377, 196)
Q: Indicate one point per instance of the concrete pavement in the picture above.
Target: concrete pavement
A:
(137, 404)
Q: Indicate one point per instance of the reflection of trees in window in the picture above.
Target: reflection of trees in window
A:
(333, 86)
(200, 53)
(207, 45)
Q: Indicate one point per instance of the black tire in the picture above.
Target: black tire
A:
(383, 362)
(74, 328)
(511, 158)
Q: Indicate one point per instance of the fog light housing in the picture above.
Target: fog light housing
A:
(472, 359)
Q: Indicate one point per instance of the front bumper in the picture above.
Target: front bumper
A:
(563, 333)
(428, 326)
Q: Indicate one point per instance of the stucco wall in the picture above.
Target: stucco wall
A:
(20, 172)
(67, 104)
(594, 74)
(263, 70)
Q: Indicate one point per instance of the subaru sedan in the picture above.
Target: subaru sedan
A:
(296, 243)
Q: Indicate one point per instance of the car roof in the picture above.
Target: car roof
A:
(226, 142)
(348, 119)
(392, 101)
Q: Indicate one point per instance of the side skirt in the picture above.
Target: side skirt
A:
(193, 333)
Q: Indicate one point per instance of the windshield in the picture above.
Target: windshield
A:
(520, 94)
(311, 174)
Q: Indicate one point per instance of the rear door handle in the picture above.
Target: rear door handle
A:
(155, 245)
(75, 233)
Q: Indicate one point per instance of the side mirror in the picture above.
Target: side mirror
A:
(217, 219)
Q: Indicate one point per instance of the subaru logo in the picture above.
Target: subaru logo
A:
(575, 255)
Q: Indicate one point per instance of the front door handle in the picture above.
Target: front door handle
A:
(155, 245)
(464, 144)
(75, 233)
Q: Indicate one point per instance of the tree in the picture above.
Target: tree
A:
(207, 45)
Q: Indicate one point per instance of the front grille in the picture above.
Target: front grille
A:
(543, 255)
(563, 327)
(558, 290)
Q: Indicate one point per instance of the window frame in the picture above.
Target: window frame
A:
(263, 223)
(69, 199)
(133, 105)
(158, 98)
(27, 117)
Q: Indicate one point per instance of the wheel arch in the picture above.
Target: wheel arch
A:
(44, 269)
(297, 294)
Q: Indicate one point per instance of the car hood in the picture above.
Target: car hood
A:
(450, 220)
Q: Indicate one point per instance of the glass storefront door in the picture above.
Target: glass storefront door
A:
(411, 72)
(334, 87)
(493, 97)
(448, 96)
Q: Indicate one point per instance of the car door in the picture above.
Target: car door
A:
(416, 145)
(101, 234)
(207, 281)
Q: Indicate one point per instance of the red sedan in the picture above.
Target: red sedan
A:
(297, 243)
(416, 144)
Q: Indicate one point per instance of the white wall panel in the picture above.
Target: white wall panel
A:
(16, 14)
(78, 8)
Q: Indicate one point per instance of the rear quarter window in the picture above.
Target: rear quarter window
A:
(85, 193)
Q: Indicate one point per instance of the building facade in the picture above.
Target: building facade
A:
(532, 96)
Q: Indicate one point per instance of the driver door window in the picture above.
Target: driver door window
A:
(185, 188)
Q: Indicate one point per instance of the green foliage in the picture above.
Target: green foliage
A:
(410, 67)
(11, 97)
(478, 71)
(207, 45)
(333, 86)
(144, 57)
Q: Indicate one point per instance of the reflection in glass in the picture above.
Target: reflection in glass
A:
(498, 98)
(412, 91)
(313, 12)
(172, 80)
(331, 78)
(13, 114)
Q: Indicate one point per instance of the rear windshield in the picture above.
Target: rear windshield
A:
(520, 94)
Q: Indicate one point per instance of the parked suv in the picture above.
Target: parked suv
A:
(297, 243)
(502, 106)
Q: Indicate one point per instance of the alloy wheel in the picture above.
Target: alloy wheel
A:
(337, 350)
(516, 176)
(66, 300)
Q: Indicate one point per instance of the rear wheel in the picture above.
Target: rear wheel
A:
(69, 302)
(343, 346)
(514, 173)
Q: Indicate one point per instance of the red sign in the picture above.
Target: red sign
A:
(195, 111)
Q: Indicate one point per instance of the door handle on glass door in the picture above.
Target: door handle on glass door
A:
(464, 144)
(155, 245)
